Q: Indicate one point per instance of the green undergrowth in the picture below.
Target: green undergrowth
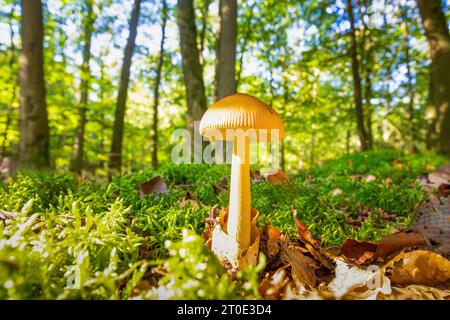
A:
(94, 239)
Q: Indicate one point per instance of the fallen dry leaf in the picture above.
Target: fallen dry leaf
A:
(256, 176)
(276, 176)
(155, 185)
(418, 267)
(362, 252)
(398, 242)
(416, 292)
(302, 230)
(272, 285)
(358, 252)
(433, 221)
(432, 181)
(301, 270)
(274, 233)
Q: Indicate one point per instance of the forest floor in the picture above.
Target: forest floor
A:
(139, 236)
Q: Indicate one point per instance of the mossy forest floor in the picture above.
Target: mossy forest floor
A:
(94, 239)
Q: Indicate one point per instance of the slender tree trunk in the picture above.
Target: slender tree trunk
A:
(117, 140)
(102, 163)
(411, 111)
(433, 117)
(436, 31)
(245, 39)
(192, 69)
(367, 62)
(11, 79)
(226, 71)
(88, 23)
(347, 141)
(204, 24)
(356, 80)
(313, 120)
(33, 119)
(157, 84)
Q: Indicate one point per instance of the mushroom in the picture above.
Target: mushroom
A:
(242, 119)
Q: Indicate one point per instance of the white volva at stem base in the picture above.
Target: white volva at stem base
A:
(234, 243)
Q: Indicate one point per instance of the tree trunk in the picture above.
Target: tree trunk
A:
(157, 84)
(205, 11)
(356, 80)
(226, 68)
(88, 23)
(11, 79)
(33, 119)
(436, 31)
(116, 146)
(192, 69)
(245, 40)
(313, 119)
(367, 62)
(433, 117)
(410, 86)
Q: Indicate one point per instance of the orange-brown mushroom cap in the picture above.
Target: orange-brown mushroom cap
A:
(245, 112)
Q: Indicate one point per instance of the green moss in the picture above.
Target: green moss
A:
(104, 236)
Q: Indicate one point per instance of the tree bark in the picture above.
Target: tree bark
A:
(33, 119)
(117, 140)
(11, 79)
(88, 23)
(314, 89)
(226, 68)
(410, 86)
(192, 69)
(205, 11)
(245, 39)
(356, 80)
(436, 31)
(157, 84)
(367, 62)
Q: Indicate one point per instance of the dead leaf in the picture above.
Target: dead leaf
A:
(444, 189)
(433, 221)
(276, 176)
(256, 176)
(416, 292)
(418, 267)
(432, 181)
(398, 242)
(320, 256)
(274, 233)
(272, 284)
(302, 230)
(302, 273)
(155, 185)
(358, 252)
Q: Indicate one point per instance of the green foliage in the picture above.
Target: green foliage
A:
(193, 273)
(94, 239)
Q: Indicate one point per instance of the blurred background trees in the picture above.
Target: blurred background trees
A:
(99, 84)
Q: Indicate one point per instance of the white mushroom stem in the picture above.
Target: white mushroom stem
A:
(239, 216)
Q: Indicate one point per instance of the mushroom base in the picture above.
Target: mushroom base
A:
(227, 250)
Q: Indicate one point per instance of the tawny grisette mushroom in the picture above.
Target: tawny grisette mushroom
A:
(241, 118)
